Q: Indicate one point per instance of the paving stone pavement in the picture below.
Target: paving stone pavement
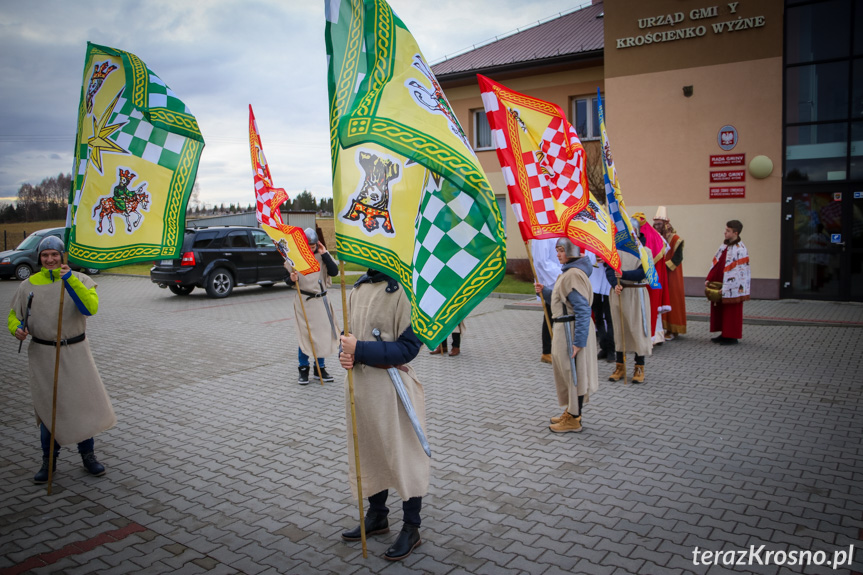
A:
(221, 463)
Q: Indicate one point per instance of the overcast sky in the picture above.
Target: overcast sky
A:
(218, 56)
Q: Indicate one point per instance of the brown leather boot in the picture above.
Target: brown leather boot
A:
(619, 372)
(559, 418)
(638, 374)
(455, 351)
(441, 349)
(568, 424)
(545, 358)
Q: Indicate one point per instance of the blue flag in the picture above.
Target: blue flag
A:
(625, 239)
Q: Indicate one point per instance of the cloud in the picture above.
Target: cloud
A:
(219, 56)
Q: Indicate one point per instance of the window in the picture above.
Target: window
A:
(481, 131)
(237, 240)
(585, 117)
(262, 240)
(203, 239)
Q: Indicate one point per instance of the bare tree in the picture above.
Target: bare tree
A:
(593, 165)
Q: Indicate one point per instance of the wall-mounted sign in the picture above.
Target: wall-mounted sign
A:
(727, 137)
(858, 195)
(837, 196)
(727, 176)
(727, 160)
(702, 20)
(728, 192)
(835, 238)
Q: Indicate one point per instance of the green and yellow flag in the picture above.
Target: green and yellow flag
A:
(409, 195)
(136, 156)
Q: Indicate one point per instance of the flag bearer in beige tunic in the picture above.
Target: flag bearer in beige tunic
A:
(633, 297)
(324, 341)
(83, 406)
(391, 456)
(571, 297)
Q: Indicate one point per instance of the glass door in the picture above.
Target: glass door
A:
(822, 248)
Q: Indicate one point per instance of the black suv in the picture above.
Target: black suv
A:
(220, 258)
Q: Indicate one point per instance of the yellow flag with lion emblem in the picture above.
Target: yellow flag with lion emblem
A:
(136, 157)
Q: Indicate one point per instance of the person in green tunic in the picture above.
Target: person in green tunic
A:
(122, 191)
(83, 406)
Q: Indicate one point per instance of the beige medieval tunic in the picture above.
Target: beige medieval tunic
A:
(391, 456)
(636, 309)
(572, 279)
(325, 343)
(83, 406)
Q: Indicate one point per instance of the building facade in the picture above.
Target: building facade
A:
(748, 110)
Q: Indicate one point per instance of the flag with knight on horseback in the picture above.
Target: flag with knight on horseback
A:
(136, 158)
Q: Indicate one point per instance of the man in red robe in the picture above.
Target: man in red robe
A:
(673, 322)
(731, 267)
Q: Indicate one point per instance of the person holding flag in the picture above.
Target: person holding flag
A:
(382, 338)
(630, 303)
(412, 201)
(304, 254)
(317, 326)
(573, 355)
(83, 407)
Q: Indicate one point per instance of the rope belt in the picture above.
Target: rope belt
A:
(634, 285)
(67, 341)
(563, 319)
(311, 295)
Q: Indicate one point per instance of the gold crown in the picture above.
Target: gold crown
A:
(101, 72)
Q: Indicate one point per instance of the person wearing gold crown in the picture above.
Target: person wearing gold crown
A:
(673, 322)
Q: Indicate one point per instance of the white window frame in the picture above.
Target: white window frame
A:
(591, 130)
(475, 115)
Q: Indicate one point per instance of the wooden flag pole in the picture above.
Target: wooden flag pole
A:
(622, 333)
(308, 329)
(353, 415)
(536, 280)
(56, 378)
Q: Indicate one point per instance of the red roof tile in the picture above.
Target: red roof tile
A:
(579, 32)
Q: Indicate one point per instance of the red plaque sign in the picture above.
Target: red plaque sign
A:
(727, 160)
(728, 192)
(728, 176)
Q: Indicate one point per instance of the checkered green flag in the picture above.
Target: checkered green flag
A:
(410, 196)
(136, 157)
(453, 233)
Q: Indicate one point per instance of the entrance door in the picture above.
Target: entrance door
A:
(822, 248)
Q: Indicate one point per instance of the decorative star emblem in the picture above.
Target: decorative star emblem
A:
(99, 142)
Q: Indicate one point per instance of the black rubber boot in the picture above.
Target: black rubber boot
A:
(304, 375)
(92, 466)
(375, 525)
(407, 541)
(322, 374)
(42, 475)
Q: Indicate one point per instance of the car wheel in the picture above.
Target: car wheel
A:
(181, 290)
(220, 283)
(268, 285)
(23, 271)
(92, 271)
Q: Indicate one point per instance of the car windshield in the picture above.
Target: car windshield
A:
(31, 242)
